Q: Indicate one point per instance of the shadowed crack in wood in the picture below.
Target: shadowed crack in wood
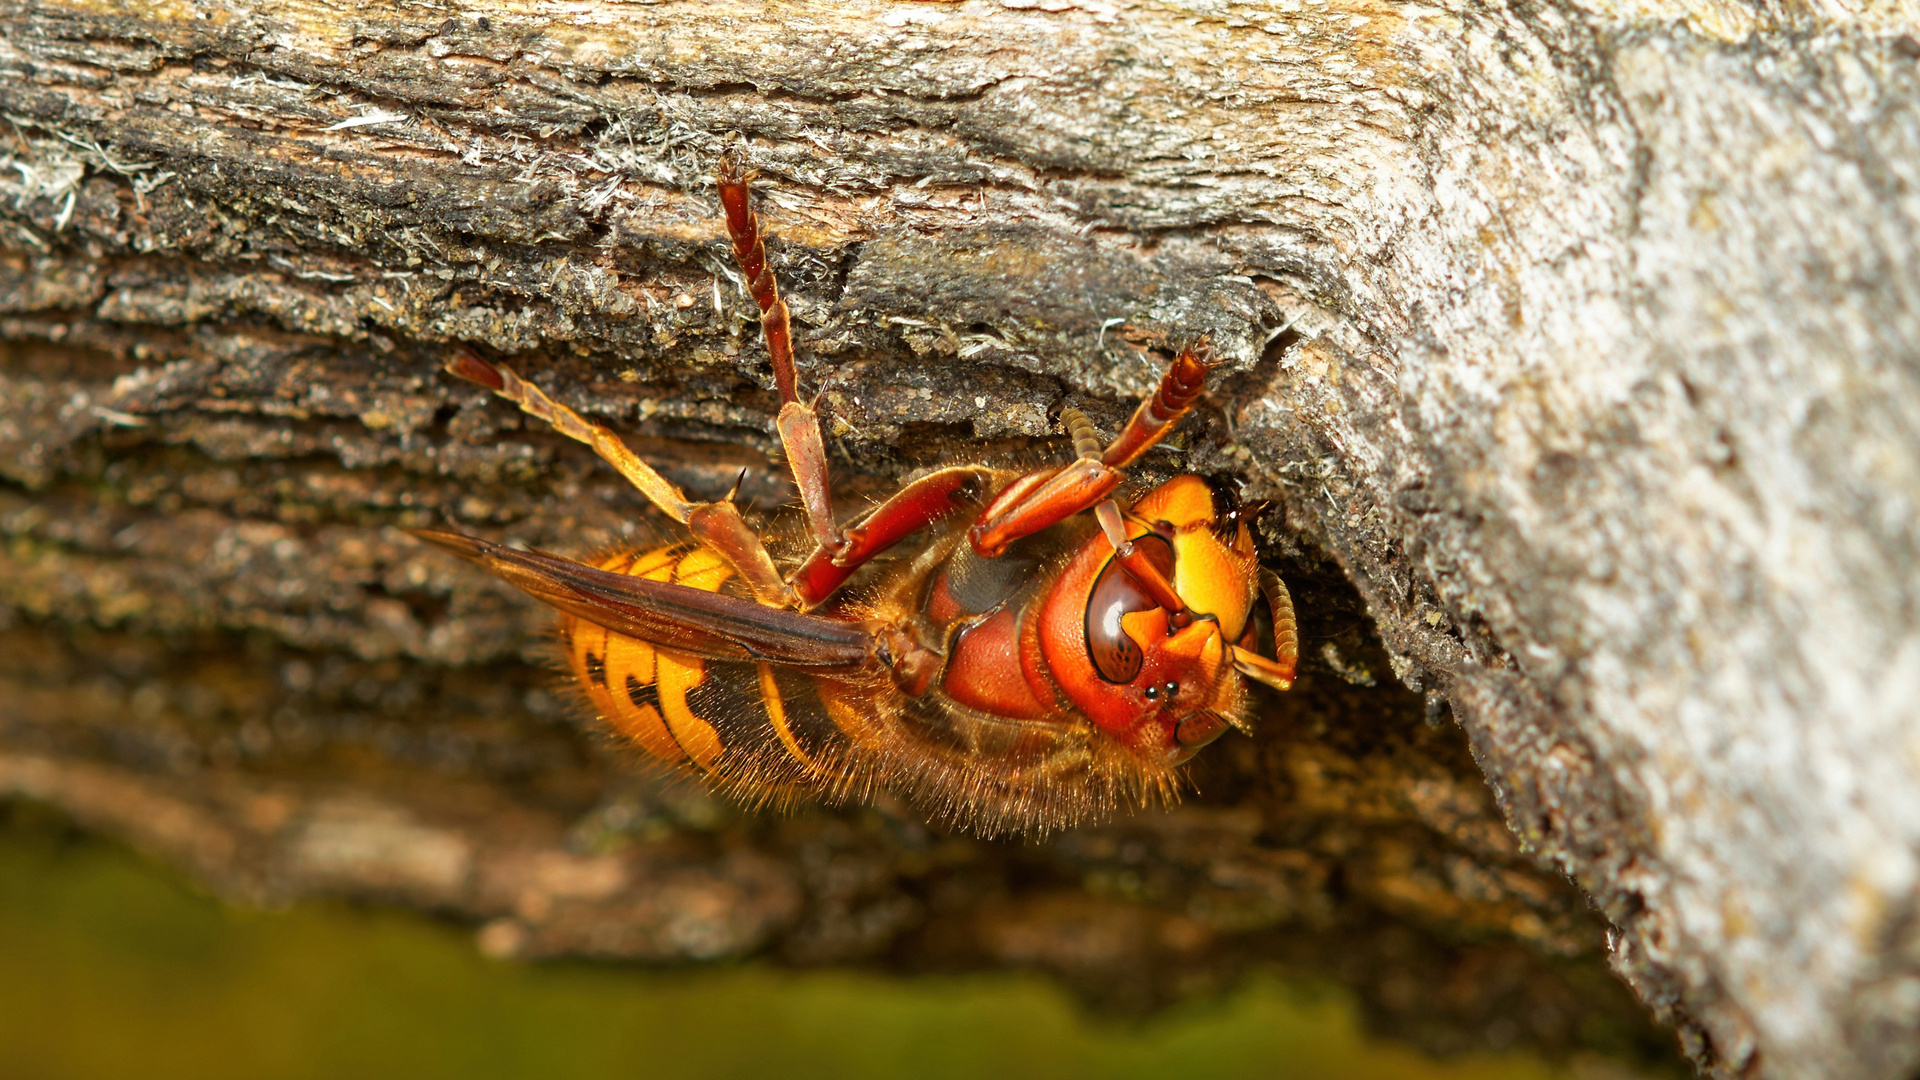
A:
(1580, 336)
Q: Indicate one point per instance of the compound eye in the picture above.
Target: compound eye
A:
(1116, 656)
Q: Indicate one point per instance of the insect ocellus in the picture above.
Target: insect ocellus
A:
(1043, 657)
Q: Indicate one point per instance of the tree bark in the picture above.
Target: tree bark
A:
(1580, 337)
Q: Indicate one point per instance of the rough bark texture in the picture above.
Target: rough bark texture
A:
(1581, 337)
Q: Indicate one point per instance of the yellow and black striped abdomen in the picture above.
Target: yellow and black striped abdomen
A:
(758, 728)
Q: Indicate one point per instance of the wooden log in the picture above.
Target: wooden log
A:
(1581, 336)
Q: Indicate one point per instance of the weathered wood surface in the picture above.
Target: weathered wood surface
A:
(1582, 336)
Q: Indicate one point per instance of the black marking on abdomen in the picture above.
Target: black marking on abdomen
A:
(729, 699)
(819, 737)
(641, 694)
(596, 670)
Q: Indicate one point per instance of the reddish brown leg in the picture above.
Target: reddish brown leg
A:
(1041, 499)
(1138, 566)
(716, 524)
(799, 426)
(927, 500)
(1179, 388)
(1038, 500)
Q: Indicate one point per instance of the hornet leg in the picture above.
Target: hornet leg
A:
(799, 425)
(716, 524)
(1040, 499)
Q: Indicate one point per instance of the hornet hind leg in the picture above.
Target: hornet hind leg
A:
(716, 524)
(799, 425)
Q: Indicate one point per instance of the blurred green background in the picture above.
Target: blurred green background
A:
(112, 968)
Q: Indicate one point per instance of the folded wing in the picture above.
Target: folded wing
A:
(694, 621)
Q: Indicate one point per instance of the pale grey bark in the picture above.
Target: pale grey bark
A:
(1598, 376)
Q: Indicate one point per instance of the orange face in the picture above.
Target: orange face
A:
(1162, 688)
